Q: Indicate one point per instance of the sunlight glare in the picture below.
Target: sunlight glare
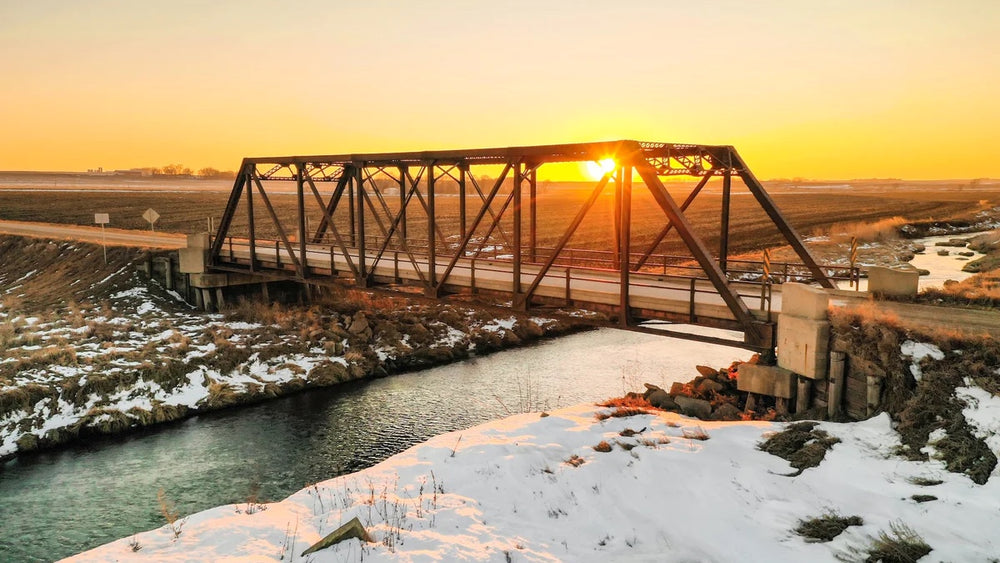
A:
(598, 168)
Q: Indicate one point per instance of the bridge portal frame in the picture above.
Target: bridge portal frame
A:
(353, 177)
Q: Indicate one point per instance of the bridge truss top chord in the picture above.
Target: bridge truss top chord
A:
(428, 217)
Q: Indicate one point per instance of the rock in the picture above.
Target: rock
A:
(967, 253)
(650, 389)
(709, 385)
(943, 253)
(754, 360)
(923, 272)
(678, 388)
(726, 411)
(706, 371)
(661, 400)
(918, 248)
(697, 408)
(359, 323)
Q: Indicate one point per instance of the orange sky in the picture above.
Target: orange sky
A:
(814, 89)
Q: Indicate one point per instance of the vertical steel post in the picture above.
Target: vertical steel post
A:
(463, 169)
(727, 181)
(431, 231)
(403, 186)
(625, 173)
(301, 200)
(359, 181)
(516, 282)
(350, 211)
(253, 242)
(617, 213)
(533, 214)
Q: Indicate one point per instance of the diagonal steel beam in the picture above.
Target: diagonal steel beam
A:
(330, 207)
(791, 236)
(565, 238)
(460, 252)
(493, 216)
(277, 222)
(666, 229)
(400, 233)
(227, 217)
(697, 247)
(333, 227)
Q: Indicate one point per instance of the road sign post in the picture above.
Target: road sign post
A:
(151, 217)
(855, 282)
(103, 219)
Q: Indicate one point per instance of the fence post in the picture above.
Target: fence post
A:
(835, 393)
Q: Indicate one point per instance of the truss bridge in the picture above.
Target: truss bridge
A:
(480, 221)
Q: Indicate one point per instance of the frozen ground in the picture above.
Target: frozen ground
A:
(533, 488)
(142, 357)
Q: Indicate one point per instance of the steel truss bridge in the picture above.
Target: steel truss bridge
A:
(433, 219)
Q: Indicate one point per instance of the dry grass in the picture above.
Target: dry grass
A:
(621, 412)
(603, 447)
(901, 545)
(867, 231)
(628, 401)
(826, 527)
(801, 444)
(696, 433)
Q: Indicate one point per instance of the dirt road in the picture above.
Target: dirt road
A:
(111, 237)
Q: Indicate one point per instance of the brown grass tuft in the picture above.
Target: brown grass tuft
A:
(603, 446)
(621, 412)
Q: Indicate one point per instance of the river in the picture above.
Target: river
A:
(59, 503)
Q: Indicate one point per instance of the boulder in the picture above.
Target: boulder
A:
(650, 389)
(677, 388)
(709, 385)
(726, 411)
(706, 371)
(359, 323)
(662, 400)
(943, 252)
(697, 408)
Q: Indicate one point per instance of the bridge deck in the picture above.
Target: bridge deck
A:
(650, 295)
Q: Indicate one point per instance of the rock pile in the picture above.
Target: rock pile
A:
(712, 395)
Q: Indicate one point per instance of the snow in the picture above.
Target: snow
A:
(504, 491)
(917, 351)
(982, 412)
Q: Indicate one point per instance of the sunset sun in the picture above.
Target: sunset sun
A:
(596, 169)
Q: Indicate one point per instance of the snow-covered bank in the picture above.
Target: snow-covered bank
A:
(141, 357)
(534, 488)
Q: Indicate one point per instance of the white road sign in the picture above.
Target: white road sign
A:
(101, 218)
(150, 216)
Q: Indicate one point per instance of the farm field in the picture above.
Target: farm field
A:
(810, 210)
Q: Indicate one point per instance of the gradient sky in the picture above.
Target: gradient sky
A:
(817, 89)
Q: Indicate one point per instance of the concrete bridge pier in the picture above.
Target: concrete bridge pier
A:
(803, 346)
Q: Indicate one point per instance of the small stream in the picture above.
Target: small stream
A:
(941, 268)
(59, 503)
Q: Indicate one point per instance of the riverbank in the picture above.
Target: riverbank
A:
(587, 483)
(134, 355)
